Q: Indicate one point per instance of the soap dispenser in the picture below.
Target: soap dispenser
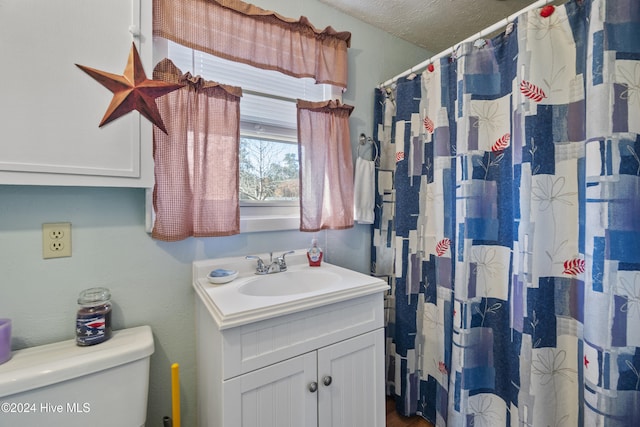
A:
(314, 254)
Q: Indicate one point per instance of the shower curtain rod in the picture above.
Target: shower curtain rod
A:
(479, 35)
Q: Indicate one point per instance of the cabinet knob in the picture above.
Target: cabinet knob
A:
(326, 380)
(313, 386)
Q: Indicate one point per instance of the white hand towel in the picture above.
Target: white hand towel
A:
(363, 191)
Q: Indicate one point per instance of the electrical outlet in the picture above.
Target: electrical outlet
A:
(56, 240)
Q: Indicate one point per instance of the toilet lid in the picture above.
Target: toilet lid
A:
(48, 364)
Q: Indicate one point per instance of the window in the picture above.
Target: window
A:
(268, 133)
(268, 171)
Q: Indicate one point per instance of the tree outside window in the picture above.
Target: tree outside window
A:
(268, 170)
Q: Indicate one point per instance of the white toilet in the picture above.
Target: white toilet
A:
(64, 385)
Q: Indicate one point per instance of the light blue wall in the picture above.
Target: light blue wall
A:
(150, 280)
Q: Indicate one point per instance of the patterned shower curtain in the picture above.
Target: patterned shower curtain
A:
(508, 223)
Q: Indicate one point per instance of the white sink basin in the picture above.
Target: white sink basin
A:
(288, 283)
(251, 298)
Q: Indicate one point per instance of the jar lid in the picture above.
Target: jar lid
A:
(93, 296)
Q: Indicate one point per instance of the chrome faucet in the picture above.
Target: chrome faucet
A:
(275, 266)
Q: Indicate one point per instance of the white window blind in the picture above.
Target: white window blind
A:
(268, 100)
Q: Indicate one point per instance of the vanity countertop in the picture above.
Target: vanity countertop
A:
(230, 306)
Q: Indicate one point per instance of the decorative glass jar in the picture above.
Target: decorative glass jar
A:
(93, 321)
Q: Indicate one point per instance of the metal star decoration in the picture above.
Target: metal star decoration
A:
(132, 91)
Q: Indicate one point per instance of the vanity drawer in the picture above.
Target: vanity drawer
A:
(256, 345)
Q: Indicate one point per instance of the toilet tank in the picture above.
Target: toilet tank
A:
(62, 384)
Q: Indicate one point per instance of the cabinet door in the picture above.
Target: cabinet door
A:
(50, 109)
(351, 382)
(275, 396)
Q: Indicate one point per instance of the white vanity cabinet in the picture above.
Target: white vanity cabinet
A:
(320, 366)
(337, 385)
(355, 371)
(272, 396)
(50, 109)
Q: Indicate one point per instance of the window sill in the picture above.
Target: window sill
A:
(254, 223)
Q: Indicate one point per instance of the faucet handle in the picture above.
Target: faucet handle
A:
(287, 253)
(261, 267)
(281, 261)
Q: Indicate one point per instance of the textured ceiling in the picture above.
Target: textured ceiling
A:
(435, 25)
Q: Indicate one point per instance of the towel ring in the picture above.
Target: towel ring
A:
(363, 141)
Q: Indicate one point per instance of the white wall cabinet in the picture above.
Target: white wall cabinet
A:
(50, 109)
(320, 367)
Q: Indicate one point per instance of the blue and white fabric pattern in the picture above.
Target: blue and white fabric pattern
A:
(508, 223)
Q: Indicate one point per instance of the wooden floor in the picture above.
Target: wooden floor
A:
(395, 420)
